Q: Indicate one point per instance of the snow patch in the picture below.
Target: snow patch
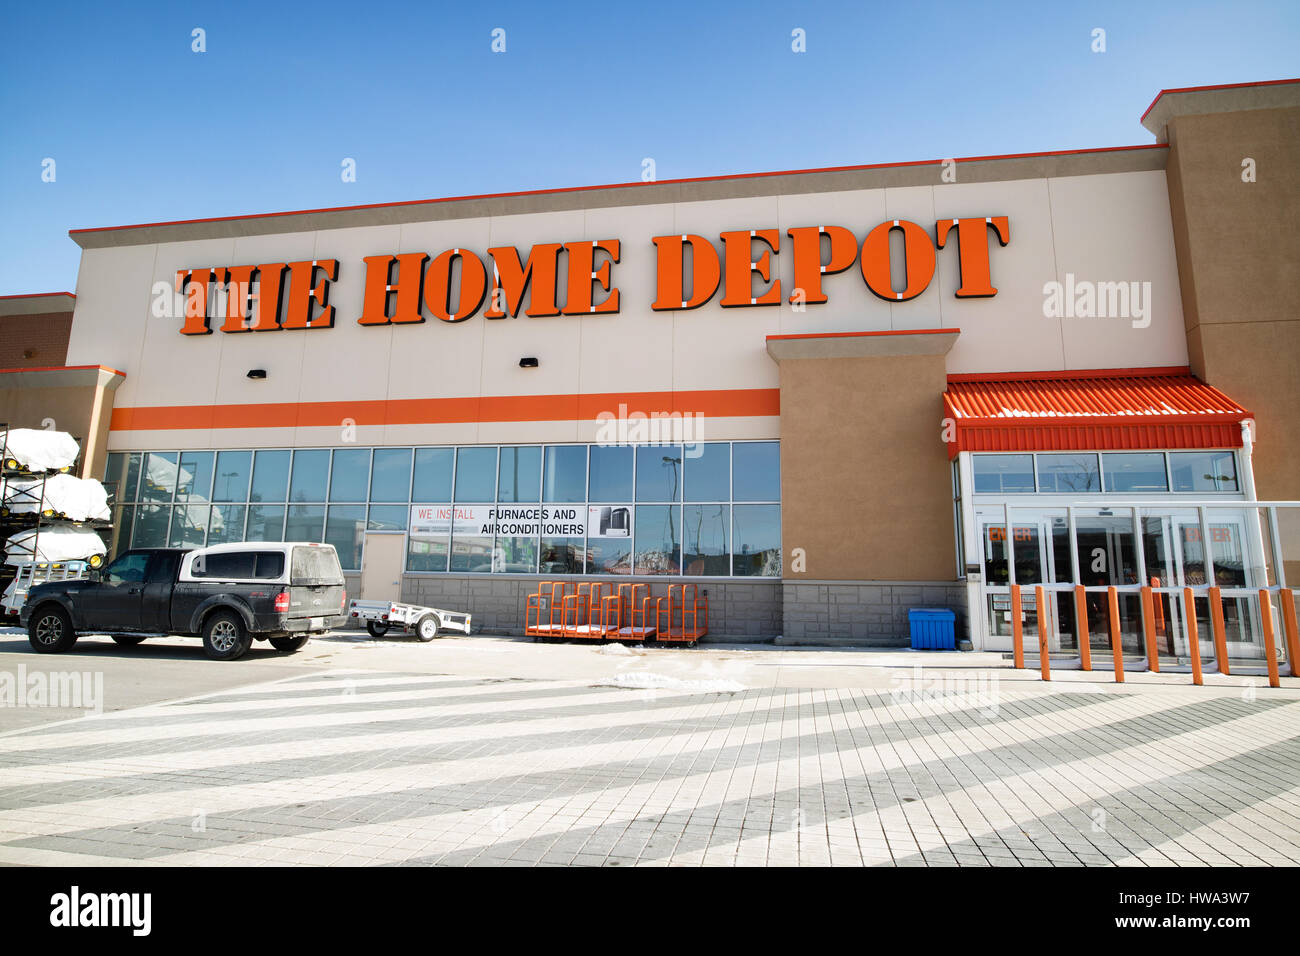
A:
(645, 680)
(618, 650)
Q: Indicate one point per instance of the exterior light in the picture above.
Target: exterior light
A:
(528, 362)
(257, 373)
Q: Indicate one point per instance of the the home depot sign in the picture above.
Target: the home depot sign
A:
(690, 270)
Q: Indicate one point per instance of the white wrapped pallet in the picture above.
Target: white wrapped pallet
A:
(78, 499)
(54, 544)
(38, 450)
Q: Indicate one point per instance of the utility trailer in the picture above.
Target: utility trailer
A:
(424, 622)
(28, 574)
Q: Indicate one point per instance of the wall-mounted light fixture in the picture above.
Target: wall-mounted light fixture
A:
(528, 362)
(257, 373)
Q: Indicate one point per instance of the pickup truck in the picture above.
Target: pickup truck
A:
(228, 594)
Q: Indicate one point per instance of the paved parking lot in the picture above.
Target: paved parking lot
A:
(482, 751)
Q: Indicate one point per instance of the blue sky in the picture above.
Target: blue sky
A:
(141, 128)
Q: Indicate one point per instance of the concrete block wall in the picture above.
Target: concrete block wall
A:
(872, 614)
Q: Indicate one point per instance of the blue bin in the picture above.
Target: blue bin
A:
(933, 628)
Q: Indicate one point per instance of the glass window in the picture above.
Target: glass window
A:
(310, 470)
(350, 475)
(390, 479)
(432, 475)
(194, 480)
(657, 540)
(472, 552)
(756, 471)
(241, 565)
(561, 556)
(520, 474)
(565, 477)
(1203, 470)
(426, 553)
(129, 568)
(189, 526)
(609, 555)
(305, 523)
(1003, 474)
(115, 476)
(1062, 474)
(611, 473)
(1143, 471)
(708, 472)
(159, 480)
(270, 476)
(152, 523)
(133, 462)
(234, 468)
(388, 518)
(515, 556)
(344, 528)
(123, 519)
(265, 523)
(227, 524)
(659, 473)
(476, 474)
(757, 531)
(705, 533)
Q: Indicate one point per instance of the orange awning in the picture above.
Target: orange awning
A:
(1104, 409)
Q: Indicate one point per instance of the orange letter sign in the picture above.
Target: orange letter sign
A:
(973, 251)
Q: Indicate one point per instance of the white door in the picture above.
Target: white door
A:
(381, 566)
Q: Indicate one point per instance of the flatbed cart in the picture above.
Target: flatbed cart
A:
(424, 622)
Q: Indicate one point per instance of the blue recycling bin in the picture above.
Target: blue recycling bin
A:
(933, 628)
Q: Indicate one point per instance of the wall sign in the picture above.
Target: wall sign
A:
(402, 289)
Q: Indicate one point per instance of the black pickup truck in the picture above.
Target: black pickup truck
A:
(229, 594)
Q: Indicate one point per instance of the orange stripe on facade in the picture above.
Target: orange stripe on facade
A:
(712, 403)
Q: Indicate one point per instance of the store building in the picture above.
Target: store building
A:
(815, 394)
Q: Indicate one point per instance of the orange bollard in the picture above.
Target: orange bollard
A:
(1116, 642)
(1219, 628)
(1017, 629)
(1193, 641)
(1292, 632)
(1149, 630)
(1159, 612)
(1270, 650)
(1081, 627)
(1044, 661)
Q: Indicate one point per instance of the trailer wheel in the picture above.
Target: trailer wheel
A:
(50, 631)
(288, 644)
(376, 628)
(225, 638)
(426, 628)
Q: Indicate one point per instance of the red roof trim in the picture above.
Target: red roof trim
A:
(1221, 86)
(62, 368)
(846, 335)
(36, 295)
(1071, 374)
(571, 189)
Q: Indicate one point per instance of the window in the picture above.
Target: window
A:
(657, 540)
(151, 526)
(189, 526)
(476, 473)
(194, 478)
(432, 475)
(270, 476)
(708, 472)
(1064, 474)
(659, 473)
(128, 569)
(234, 468)
(305, 523)
(565, 475)
(158, 482)
(310, 471)
(520, 474)
(239, 565)
(1144, 471)
(705, 530)
(1003, 474)
(265, 523)
(314, 566)
(1203, 470)
(344, 526)
(611, 473)
(756, 471)
(390, 478)
(227, 524)
(350, 474)
(387, 518)
(757, 530)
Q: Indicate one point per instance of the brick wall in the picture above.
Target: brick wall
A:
(45, 336)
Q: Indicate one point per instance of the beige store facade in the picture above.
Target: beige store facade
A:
(460, 394)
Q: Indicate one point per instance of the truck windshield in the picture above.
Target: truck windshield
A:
(315, 566)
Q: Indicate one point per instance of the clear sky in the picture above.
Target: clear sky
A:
(141, 128)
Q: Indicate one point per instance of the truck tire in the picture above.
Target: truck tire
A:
(426, 628)
(224, 636)
(50, 630)
(128, 640)
(289, 644)
(376, 628)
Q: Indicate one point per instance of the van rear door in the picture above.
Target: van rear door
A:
(315, 584)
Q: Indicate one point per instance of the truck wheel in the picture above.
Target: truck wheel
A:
(426, 629)
(376, 628)
(50, 631)
(288, 644)
(128, 640)
(225, 637)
